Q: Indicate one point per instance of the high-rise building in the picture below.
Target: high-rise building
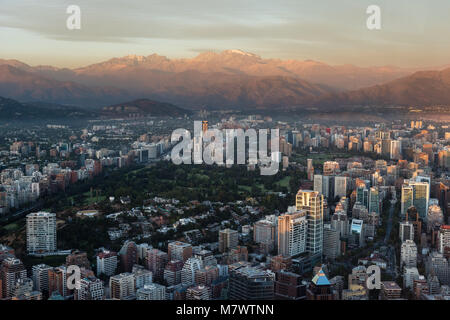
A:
(155, 261)
(122, 286)
(106, 263)
(12, 270)
(172, 272)
(324, 185)
(190, 267)
(151, 291)
(207, 258)
(421, 197)
(417, 194)
(442, 193)
(374, 200)
(357, 231)
(386, 147)
(265, 233)
(340, 186)
(396, 149)
(228, 239)
(312, 202)
(178, 250)
(142, 276)
(412, 215)
(408, 255)
(331, 242)
(444, 239)
(292, 230)
(289, 286)
(207, 275)
(406, 231)
(362, 196)
(249, 283)
(438, 265)
(40, 277)
(409, 275)
(407, 198)
(310, 169)
(128, 256)
(339, 222)
(91, 288)
(41, 232)
(57, 281)
(318, 183)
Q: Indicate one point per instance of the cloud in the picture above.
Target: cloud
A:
(326, 29)
(198, 19)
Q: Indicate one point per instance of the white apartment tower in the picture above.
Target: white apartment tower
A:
(191, 266)
(106, 263)
(408, 254)
(122, 286)
(292, 230)
(41, 232)
(312, 202)
(91, 288)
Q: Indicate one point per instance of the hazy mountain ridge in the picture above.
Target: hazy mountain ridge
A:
(13, 110)
(236, 62)
(22, 85)
(231, 79)
(188, 88)
(423, 88)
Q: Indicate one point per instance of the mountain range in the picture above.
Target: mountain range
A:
(23, 85)
(423, 88)
(13, 110)
(229, 79)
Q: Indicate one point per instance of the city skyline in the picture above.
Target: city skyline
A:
(318, 167)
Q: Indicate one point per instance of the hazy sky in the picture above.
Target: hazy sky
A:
(414, 32)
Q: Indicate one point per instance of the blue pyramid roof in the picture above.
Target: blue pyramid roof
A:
(320, 279)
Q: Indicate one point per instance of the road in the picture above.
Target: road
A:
(391, 257)
(37, 205)
(389, 222)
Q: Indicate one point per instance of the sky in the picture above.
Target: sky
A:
(414, 33)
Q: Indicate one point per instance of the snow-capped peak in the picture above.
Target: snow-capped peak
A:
(237, 51)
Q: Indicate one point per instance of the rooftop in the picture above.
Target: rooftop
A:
(320, 279)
